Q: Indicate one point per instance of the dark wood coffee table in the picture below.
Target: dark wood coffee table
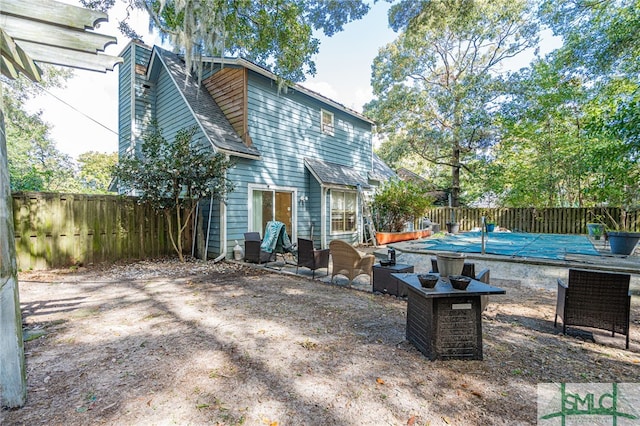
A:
(444, 323)
(384, 282)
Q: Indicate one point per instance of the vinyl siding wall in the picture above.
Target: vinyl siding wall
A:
(174, 114)
(143, 91)
(285, 128)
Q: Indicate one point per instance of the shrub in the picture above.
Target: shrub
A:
(398, 202)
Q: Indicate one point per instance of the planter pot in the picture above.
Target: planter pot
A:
(490, 227)
(595, 230)
(450, 263)
(623, 242)
(453, 228)
(394, 237)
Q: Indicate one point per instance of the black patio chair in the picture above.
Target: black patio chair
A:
(595, 299)
(252, 252)
(309, 257)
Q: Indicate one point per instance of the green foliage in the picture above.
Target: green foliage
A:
(174, 176)
(35, 164)
(274, 33)
(398, 202)
(435, 84)
(96, 170)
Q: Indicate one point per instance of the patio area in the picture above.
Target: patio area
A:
(159, 342)
(531, 272)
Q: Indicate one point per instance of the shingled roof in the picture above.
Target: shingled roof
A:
(380, 171)
(212, 120)
(335, 174)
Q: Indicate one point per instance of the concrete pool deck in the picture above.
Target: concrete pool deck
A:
(534, 272)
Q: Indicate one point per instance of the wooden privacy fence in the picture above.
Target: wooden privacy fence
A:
(548, 220)
(59, 230)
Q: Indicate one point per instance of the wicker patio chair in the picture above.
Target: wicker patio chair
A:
(349, 262)
(595, 299)
(252, 252)
(308, 257)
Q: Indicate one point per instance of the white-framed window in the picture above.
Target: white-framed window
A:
(343, 211)
(326, 122)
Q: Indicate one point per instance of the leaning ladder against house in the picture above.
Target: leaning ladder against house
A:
(369, 234)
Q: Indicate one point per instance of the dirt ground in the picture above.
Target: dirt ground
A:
(163, 343)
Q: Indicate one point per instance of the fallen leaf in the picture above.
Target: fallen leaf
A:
(446, 420)
(464, 385)
(411, 421)
(380, 381)
(476, 393)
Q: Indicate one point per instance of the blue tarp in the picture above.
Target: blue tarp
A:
(545, 246)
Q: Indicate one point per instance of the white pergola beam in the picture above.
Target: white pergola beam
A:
(23, 29)
(70, 58)
(53, 12)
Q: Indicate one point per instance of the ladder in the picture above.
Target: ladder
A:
(369, 231)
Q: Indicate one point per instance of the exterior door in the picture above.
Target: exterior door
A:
(271, 205)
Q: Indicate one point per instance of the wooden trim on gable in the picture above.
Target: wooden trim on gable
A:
(245, 131)
(228, 87)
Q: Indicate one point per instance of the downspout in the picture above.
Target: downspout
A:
(223, 231)
(223, 226)
(194, 226)
(206, 243)
(323, 216)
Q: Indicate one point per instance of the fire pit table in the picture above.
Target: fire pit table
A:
(445, 323)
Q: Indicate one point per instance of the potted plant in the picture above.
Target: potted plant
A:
(394, 204)
(489, 225)
(623, 238)
(595, 230)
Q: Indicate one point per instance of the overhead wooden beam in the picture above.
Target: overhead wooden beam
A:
(24, 29)
(64, 57)
(8, 69)
(15, 60)
(53, 12)
(51, 32)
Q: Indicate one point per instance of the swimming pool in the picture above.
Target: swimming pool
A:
(514, 244)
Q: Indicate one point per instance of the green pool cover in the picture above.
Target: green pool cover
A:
(545, 246)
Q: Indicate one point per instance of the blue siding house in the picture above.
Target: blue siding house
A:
(300, 158)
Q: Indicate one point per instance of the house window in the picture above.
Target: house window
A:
(326, 122)
(343, 211)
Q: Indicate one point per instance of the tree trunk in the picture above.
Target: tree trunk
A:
(455, 177)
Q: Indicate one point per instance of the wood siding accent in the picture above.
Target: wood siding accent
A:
(228, 87)
(61, 230)
(562, 220)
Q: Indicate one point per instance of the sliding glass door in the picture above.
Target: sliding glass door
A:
(268, 204)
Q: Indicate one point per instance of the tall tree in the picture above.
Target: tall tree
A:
(436, 84)
(602, 46)
(173, 176)
(35, 164)
(543, 152)
(276, 34)
(96, 170)
(602, 43)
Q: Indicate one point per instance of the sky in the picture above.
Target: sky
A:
(84, 115)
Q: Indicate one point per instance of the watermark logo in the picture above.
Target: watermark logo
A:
(565, 404)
